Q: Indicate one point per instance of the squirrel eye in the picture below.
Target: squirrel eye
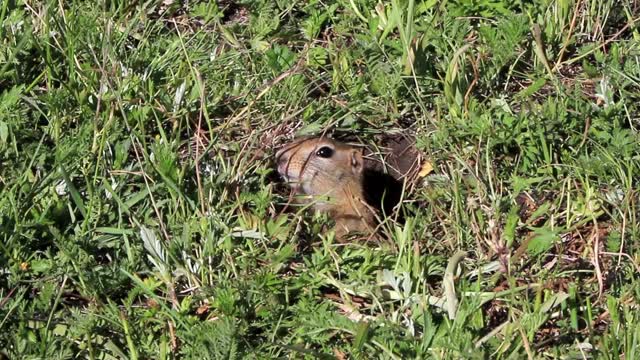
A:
(325, 152)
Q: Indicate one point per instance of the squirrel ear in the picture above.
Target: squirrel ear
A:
(356, 161)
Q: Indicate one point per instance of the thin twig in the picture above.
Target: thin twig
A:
(568, 38)
(596, 262)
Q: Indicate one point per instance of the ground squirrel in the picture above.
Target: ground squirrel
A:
(329, 176)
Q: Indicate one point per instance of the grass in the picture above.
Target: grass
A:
(139, 215)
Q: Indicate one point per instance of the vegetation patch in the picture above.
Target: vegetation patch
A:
(141, 215)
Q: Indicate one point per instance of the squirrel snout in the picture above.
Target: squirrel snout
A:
(281, 159)
(282, 164)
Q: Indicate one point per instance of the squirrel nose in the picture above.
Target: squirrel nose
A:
(281, 160)
(281, 157)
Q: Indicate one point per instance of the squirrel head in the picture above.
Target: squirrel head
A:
(319, 166)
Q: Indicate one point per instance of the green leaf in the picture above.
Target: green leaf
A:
(9, 99)
(531, 89)
(4, 132)
(542, 241)
(75, 194)
(362, 334)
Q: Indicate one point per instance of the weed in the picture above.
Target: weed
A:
(139, 215)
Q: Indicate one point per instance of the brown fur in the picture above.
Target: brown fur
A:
(332, 184)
